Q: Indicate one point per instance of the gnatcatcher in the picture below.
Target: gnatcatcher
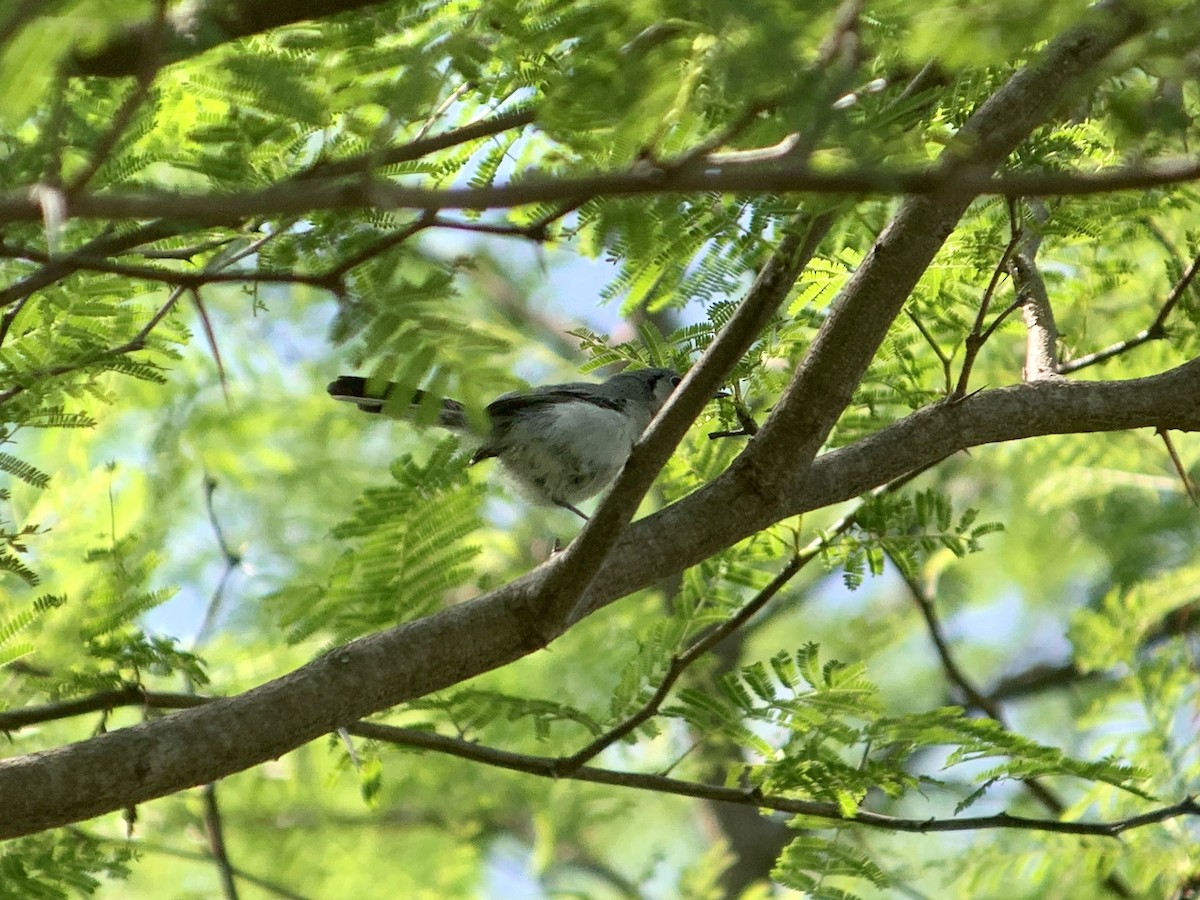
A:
(560, 443)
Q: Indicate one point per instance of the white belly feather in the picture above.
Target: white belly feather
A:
(572, 451)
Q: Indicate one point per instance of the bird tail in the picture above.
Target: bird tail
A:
(371, 395)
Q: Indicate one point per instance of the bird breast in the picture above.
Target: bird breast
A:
(568, 452)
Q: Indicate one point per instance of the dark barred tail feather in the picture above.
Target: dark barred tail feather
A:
(371, 395)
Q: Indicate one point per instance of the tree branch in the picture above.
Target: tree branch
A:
(860, 316)
(955, 674)
(979, 335)
(105, 245)
(216, 842)
(151, 61)
(1041, 331)
(552, 767)
(699, 385)
(266, 885)
(299, 197)
(135, 343)
(546, 767)
(716, 635)
(103, 701)
(1156, 331)
(330, 281)
(365, 163)
(138, 341)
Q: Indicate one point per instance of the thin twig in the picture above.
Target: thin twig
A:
(956, 676)
(382, 245)
(933, 345)
(680, 663)
(99, 247)
(213, 825)
(999, 320)
(415, 149)
(10, 316)
(1038, 678)
(978, 336)
(216, 842)
(187, 254)
(102, 701)
(1188, 485)
(549, 767)
(166, 276)
(211, 336)
(1157, 330)
(232, 560)
(143, 846)
(840, 54)
(747, 426)
(137, 342)
(930, 76)
(440, 109)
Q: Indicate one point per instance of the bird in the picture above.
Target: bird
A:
(559, 444)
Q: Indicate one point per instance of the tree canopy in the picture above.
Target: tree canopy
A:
(911, 612)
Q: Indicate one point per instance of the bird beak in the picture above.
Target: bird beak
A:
(720, 395)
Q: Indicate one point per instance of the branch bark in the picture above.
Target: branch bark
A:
(299, 196)
(1041, 331)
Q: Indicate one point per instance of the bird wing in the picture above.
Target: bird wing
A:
(504, 411)
(511, 404)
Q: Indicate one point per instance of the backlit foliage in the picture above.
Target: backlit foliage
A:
(142, 359)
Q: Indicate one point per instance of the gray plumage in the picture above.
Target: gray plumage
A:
(560, 444)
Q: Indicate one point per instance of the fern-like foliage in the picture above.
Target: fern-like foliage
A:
(906, 528)
(23, 470)
(819, 732)
(471, 710)
(405, 549)
(823, 869)
(10, 647)
(55, 866)
(128, 655)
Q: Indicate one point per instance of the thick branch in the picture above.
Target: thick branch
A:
(863, 312)
(669, 541)
(1041, 332)
(301, 197)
